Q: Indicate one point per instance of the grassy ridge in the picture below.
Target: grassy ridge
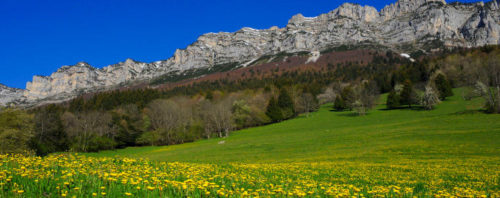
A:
(455, 129)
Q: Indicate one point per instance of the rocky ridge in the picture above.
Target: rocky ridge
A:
(403, 25)
(9, 95)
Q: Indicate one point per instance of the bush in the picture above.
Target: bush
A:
(149, 138)
(98, 143)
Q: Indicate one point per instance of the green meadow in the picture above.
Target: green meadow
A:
(455, 129)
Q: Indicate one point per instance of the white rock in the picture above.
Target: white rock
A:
(412, 23)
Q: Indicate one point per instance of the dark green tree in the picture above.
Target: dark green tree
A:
(407, 94)
(348, 97)
(286, 104)
(339, 104)
(392, 100)
(443, 86)
(274, 111)
(209, 96)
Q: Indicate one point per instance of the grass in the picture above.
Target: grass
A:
(452, 151)
(455, 129)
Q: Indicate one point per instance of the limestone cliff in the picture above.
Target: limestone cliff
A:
(408, 24)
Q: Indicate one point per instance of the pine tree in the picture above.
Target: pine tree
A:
(286, 104)
(407, 95)
(339, 104)
(392, 100)
(274, 111)
(348, 97)
(443, 86)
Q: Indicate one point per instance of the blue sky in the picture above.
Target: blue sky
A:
(37, 37)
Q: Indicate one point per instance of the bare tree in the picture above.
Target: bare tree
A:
(365, 97)
(217, 117)
(307, 103)
(82, 127)
(167, 118)
(491, 97)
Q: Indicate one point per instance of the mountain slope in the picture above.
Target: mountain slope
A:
(407, 25)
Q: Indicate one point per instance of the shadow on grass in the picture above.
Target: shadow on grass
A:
(470, 112)
(413, 108)
(349, 113)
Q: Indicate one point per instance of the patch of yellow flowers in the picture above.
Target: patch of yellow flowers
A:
(73, 175)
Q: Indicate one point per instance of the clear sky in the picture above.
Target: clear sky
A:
(37, 37)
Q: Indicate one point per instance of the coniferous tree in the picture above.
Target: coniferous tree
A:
(339, 104)
(443, 86)
(392, 100)
(286, 104)
(407, 94)
(348, 97)
(274, 111)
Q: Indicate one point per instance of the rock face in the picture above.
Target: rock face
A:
(8, 95)
(408, 24)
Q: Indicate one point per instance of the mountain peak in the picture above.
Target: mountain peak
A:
(130, 61)
(82, 64)
(404, 6)
(356, 11)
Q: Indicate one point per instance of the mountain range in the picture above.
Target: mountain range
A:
(405, 26)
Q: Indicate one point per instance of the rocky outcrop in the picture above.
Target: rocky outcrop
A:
(403, 7)
(408, 24)
(9, 95)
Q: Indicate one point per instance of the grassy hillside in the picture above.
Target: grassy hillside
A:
(452, 151)
(456, 129)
